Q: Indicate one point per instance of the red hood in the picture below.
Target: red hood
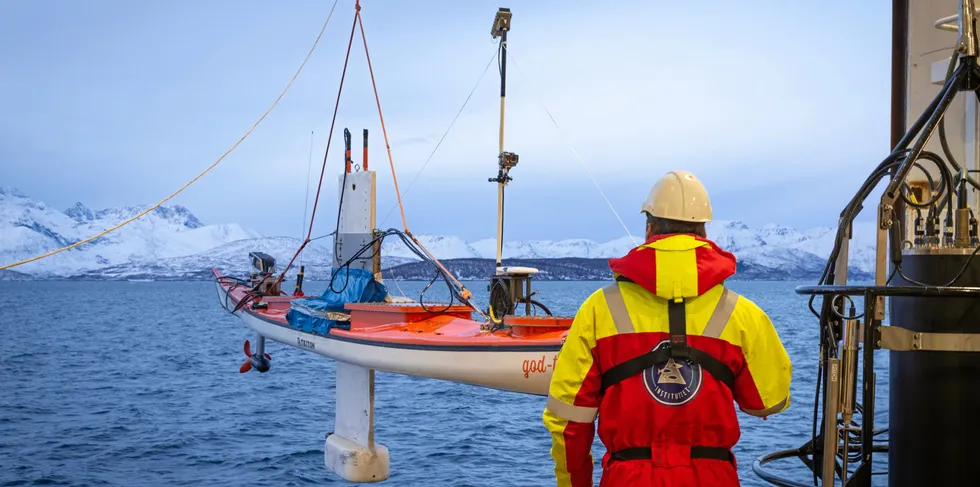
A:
(676, 266)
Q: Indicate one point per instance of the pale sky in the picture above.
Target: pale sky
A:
(119, 103)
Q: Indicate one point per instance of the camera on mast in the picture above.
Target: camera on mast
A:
(501, 23)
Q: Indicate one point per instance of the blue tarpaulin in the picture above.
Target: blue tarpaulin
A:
(355, 286)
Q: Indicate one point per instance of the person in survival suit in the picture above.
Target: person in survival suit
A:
(660, 355)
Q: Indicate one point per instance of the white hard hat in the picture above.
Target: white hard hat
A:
(679, 196)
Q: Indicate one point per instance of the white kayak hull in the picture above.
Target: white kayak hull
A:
(523, 371)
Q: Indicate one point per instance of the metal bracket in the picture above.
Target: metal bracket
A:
(886, 217)
(967, 43)
(505, 161)
(951, 23)
(887, 213)
(900, 339)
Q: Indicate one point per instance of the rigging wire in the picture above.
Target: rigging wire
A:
(464, 293)
(433, 153)
(326, 151)
(565, 139)
(306, 199)
(393, 279)
(314, 239)
(377, 98)
(209, 168)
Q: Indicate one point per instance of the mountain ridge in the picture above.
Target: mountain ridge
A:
(171, 243)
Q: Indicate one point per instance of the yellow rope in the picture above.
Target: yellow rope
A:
(256, 124)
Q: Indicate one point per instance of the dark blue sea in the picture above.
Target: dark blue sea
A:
(137, 383)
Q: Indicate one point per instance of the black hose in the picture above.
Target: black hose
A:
(946, 183)
(947, 284)
(537, 303)
(942, 123)
(454, 293)
(897, 164)
(848, 215)
(947, 179)
(894, 159)
(908, 189)
(942, 130)
(426, 288)
(854, 206)
(941, 103)
(340, 209)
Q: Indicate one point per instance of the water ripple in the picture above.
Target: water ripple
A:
(144, 389)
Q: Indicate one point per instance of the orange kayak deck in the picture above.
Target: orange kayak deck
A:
(412, 325)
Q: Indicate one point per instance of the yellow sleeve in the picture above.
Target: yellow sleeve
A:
(573, 402)
(762, 387)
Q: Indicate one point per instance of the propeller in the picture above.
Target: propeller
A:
(247, 366)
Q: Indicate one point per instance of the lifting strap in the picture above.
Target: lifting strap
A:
(677, 348)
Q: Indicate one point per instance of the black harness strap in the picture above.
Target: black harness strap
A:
(677, 319)
(645, 453)
(677, 349)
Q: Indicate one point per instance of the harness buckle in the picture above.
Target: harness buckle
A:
(680, 351)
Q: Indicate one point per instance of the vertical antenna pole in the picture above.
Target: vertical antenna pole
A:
(501, 25)
(500, 184)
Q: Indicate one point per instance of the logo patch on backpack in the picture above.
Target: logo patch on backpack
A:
(673, 383)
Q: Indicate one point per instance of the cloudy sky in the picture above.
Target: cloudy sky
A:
(118, 103)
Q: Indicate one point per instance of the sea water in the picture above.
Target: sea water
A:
(137, 383)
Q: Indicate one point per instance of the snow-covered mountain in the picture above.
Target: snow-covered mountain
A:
(29, 227)
(231, 259)
(171, 243)
(782, 250)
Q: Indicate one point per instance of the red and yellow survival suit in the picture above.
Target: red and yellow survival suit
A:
(672, 423)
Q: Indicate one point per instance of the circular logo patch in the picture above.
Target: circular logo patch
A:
(673, 383)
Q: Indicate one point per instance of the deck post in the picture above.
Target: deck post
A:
(350, 450)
